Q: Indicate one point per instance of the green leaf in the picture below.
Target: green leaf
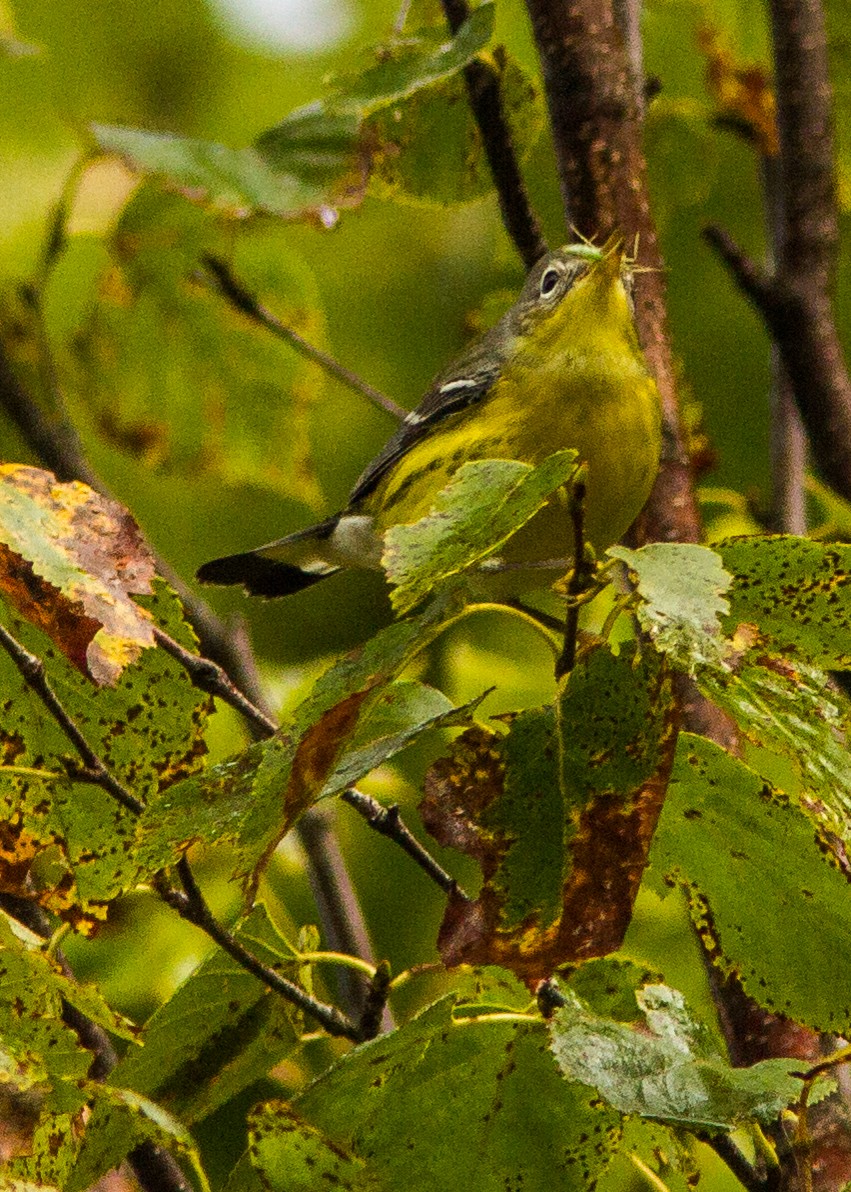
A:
(71, 840)
(220, 399)
(292, 1156)
(400, 713)
(683, 591)
(319, 156)
(487, 1084)
(670, 1068)
(559, 814)
(796, 591)
(759, 674)
(483, 505)
(250, 801)
(770, 902)
(25, 967)
(120, 1120)
(407, 168)
(218, 1032)
(237, 182)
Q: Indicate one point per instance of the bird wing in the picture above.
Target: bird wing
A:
(448, 395)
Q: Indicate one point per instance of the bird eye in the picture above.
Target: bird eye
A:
(549, 281)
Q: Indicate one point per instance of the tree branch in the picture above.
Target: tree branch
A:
(596, 116)
(484, 93)
(388, 822)
(189, 904)
(796, 302)
(230, 288)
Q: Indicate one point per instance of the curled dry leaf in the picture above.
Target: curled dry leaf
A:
(69, 561)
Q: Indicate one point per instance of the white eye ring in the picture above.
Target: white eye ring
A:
(549, 281)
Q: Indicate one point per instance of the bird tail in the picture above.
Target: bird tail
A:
(279, 568)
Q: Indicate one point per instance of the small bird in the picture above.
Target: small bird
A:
(561, 369)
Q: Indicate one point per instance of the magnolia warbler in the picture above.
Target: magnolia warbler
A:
(561, 369)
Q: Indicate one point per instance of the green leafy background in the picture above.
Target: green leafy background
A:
(219, 438)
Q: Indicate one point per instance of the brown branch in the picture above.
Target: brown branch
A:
(208, 676)
(596, 116)
(580, 576)
(796, 302)
(484, 93)
(376, 1002)
(191, 905)
(388, 822)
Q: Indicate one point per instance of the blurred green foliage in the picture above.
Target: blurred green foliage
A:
(218, 438)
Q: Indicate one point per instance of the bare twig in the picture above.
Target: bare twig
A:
(747, 1175)
(485, 97)
(788, 437)
(208, 676)
(240, 299)
(578, 582)
(388, 822)
(191, 905)
(33, 674)
(375, 1002)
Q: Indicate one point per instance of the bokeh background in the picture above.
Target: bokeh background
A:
(219, 438)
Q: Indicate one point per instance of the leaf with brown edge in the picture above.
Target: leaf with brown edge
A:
(559, 814)
(64, 841)
(69, 560)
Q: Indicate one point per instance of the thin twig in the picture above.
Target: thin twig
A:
(484, 93)
(55, 442)
(747, 1175)
(375, 1002)
(226, 284)
(191, 905)
(388, 822)
(208, 676)
(788, 439)
(796, 302)
(33, 674)
(578, 582)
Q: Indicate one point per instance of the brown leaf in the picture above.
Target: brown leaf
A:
(604, 862)
(69, 559)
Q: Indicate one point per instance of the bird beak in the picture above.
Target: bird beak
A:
(610, 266)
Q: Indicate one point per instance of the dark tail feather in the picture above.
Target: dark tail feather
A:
(259, 576)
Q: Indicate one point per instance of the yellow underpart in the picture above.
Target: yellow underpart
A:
(575, 379)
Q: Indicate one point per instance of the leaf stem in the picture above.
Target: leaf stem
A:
(649, 1174)
(341, 958)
